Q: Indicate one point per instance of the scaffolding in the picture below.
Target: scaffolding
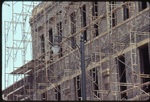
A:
(109, 40)
(102, 52)
(18, 49)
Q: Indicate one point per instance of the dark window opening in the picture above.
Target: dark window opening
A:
(73, 29)
(73, 42)
(96, 29)
(122, 75)
(61, 52)
(145, 65)
(95, 9)
(73, 22)
(94, 75)
(44, 96)
(59, 29)
(94, 14)
(142, 5)
(114, 15)
(125, 12)
(75, 87)
(78, 87)
(83, 20)
(114, 22)
(58, 93)
(51, 36)
(42, 43)
(51, 41)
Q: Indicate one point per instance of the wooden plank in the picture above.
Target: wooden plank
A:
(140, 97)
(147, 83)
(42, 84)
(123, 84)
(28, 66)
(144, 75)
(30, 90)
(15, 90)
(24, 68)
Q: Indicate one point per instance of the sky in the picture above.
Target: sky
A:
(13, 48)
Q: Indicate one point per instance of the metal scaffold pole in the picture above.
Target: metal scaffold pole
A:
(17, 47)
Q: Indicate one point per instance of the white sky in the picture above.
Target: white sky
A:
(7, 32)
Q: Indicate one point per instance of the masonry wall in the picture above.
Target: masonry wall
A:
(121, 34)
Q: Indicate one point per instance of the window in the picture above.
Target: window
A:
(113, 19)
(59, 29)
(77, 88)
(145, 65)
(96, 29)
(83, 20)
(142, 5)
(58, 93)
(94, 76)
(114, 15)
(125, 12)
(95, 14)
(51, 41)
(73, 29)
(122, 75)
(95, 9)
(51, 35)
(61, 54)
(42, 44)
(73, 22)
(44, 96)
(73, 42)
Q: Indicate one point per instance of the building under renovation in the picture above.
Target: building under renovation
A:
(116, 52)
